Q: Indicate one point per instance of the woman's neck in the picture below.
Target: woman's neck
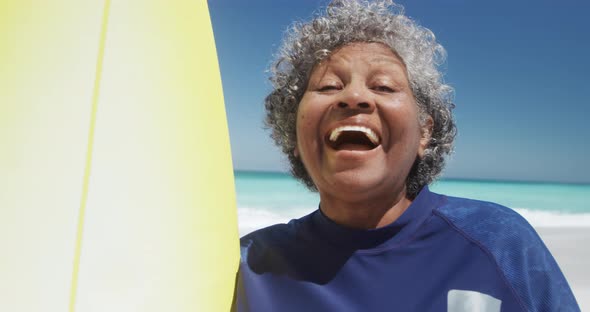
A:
(365, 214)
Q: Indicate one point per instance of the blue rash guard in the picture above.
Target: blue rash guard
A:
(441, 254)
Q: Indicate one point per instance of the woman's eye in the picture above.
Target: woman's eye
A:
(328, 88)
(383, 89)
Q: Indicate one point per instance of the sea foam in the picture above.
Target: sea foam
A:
(554, 219)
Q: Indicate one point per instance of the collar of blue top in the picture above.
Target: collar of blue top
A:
(388, 236)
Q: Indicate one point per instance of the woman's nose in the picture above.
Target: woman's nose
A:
(356, 97)
(360, 105)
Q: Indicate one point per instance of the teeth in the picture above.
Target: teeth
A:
(368, 132)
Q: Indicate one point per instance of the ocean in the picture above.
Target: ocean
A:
(267, 198)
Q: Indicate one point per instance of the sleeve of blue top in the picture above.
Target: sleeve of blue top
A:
(520, 254)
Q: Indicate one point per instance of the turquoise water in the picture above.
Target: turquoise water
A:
(557, 197)
(265, 198)
(270, 189)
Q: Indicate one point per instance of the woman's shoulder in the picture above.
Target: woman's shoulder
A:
(515, 247)
(268, 235)
(280, 248)
(496, 229)
(275, 236)
(478, 217)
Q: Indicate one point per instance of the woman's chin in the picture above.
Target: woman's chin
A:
(358, 185)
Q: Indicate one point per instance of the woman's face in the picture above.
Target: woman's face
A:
(358, 128)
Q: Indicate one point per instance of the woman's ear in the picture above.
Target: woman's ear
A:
(296, 152)
(426, 135)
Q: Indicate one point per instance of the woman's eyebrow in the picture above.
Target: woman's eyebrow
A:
(388, 60)
(393, 71)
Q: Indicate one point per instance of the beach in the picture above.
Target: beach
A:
(569, 247)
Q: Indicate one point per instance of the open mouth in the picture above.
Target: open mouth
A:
(354, 138)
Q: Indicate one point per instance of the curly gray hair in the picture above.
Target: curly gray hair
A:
(349, 21)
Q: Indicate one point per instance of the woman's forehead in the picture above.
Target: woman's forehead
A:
(374, 57)
(370, 53)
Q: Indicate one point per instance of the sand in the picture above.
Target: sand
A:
(571, 249)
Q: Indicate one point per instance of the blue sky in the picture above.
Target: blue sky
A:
(520, 70)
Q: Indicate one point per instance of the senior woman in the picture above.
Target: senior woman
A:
(361, 111)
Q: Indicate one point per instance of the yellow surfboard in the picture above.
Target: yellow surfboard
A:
(116, 184)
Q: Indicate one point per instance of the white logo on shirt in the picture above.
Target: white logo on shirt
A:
(471, 301)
